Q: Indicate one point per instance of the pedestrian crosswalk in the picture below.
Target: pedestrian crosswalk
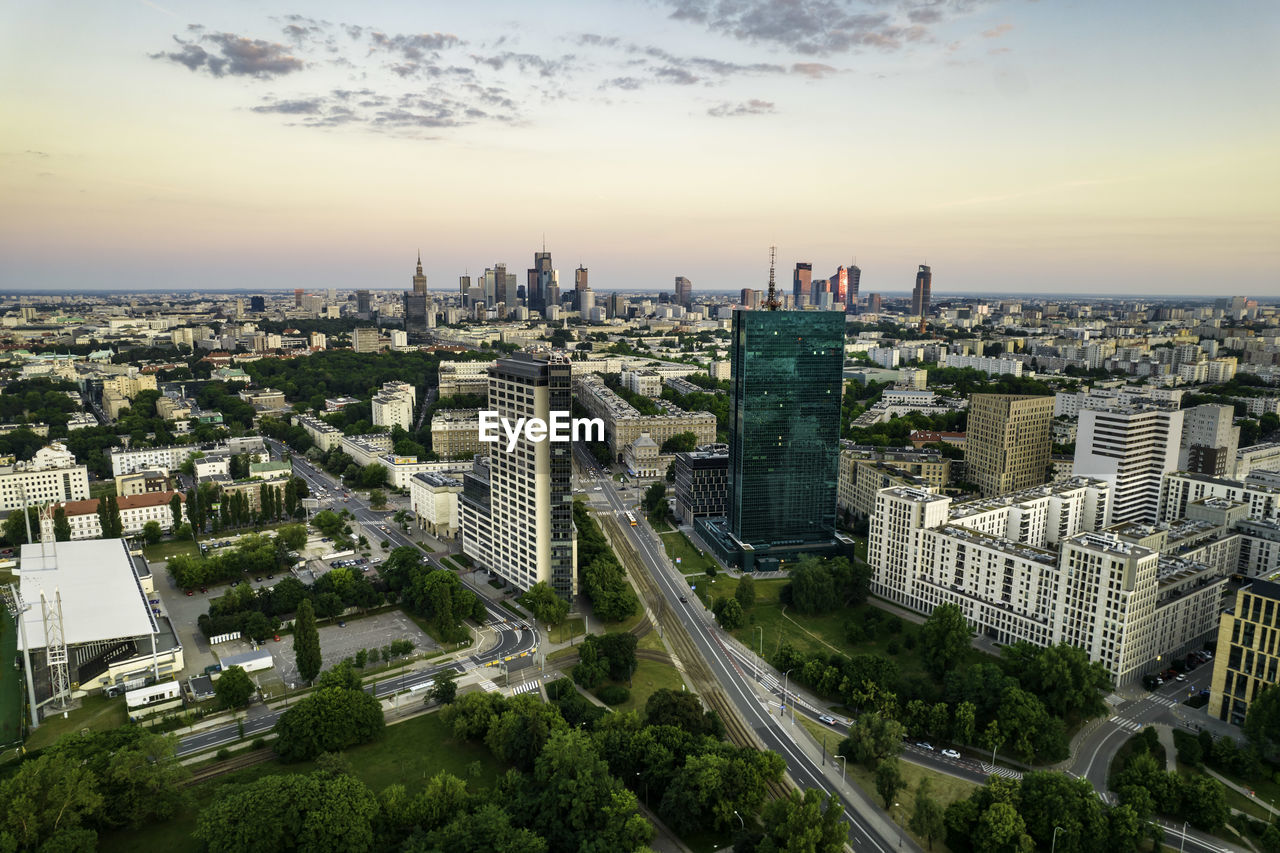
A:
(1166, 701)
(1127, 725)
(527, 687)
(488, 686)
(991, 770)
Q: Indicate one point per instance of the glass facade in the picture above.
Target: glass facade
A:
(784, 428)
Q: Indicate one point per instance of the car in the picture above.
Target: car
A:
(684, 599)
(271, 577)
(204, 589)
(191, 592)
(1181, 677)
(923, 745)
(154, 600)
(950, 753)
(277, 638)
(258, 579)
(828, 719)
(342, 623)
(155, 610)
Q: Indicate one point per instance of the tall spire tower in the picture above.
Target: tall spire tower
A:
(772, 303)
(419, 278)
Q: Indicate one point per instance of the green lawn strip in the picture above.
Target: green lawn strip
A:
(567, 630)
(165, 550)
(679, 547)
(101, 488)
(95, 712)
(1252, 806)
(408, 753)
(425, 547)
(11, 683)
(649, 677)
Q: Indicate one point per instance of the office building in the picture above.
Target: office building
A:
(366, 339)
(455, 434)
(580, 284)
(1209, 441)
(394, 405)
(838, 286)
(50, 476)
(784, 433)
(684, 291)
(1248, 652)
(855, 281)
(802, 284)
(464, 377)
(873, 303)
(434, 500)
(517, 520)
(1132, 448)
(1008, 442)
(922, 292)
(539, 280)
(702, 483)
(257, 304)
(623, 423)
(364, 304)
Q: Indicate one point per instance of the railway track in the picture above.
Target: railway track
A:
(238, 762)
(677, 637)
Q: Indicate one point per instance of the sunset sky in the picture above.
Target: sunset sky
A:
(1014, 146)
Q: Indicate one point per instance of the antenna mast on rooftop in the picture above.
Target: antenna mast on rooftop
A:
(772, 303)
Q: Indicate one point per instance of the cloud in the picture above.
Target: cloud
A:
(526, 62)
(599, 40)
(240, 56)
(304, 106)
(820, 27)
(816, 70)
(434, 108)
(746, 108)
(628, 83)
(679, 76)
(414, 46)
(996, 32)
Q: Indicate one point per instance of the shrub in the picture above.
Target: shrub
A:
(259, 743)
(223, 754)
(613, 694)
(892, 648)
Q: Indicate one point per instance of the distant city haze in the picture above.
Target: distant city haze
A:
(1013, 147)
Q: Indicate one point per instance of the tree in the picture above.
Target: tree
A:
(927, 817)
(963, 723)
(545, 604)
(746, 592)
(15, 526)
(61, 527)
(1262, 723)
(944, 639)
(329, 523)
(342, 675)
(889, 780)
(812, 589)
(679, 708)
(655, 497)
(729, 614)
(45, 801)
(373, 475)
(1000, 829)
(377, 499)
(803, 823)
(175, 509)
(306, 641)
(234, 688)
(151, 531)
(445, 689)
(872, 738)
(681, 442)
(329, 720)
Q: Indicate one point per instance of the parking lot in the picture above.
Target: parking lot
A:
(338, 642)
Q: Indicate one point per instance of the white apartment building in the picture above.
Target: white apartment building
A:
(1032, 566)
(518, 521)
(50, 476)
(1259, 457)
(393, 405)
(1132, 449)
(1070, 404)
(1209, 440)
(130, 460)
(464, 377)
(434, 501)
(992, 366)
(1181, 489)
(135, 512)
(323, 435)
(647, 383)
(455, 434)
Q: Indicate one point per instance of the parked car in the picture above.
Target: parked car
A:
(950, 753)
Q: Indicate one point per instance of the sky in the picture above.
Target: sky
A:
(1014, 146)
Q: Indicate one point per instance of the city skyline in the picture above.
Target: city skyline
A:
(1015, 148)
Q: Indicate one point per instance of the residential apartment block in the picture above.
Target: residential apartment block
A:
(394, 405)
(1248, 651)
(1132, 448)
(135, 512)
(464, 377)
(623, 424)
(1008, 442)
(51, 476)
(455, 434)
(434, 500)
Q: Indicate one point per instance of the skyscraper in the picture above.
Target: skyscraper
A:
(855, 280)
(802, 284)
(416, 304)
(518, 521)
(1008, 442)
(1132, 448)
(839, 285)
(297, 297)
(579, 284)
(923, 289)
(1209, 441)
(684, 291)
(364, 303)
(784, 431)
(539, 279)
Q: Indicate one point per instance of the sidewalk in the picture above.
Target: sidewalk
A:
(1248, 792)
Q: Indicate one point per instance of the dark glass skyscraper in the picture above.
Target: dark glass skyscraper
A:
(922, 292)
(784, 427)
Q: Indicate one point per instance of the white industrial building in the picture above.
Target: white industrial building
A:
(88, 622)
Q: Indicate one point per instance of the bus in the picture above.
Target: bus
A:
(631, 518)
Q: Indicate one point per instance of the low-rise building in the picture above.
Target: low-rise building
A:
(702, 483)
(642, 458)
(434, 500)
(464, 377)
(323, 435)
(135, 512)
(50, 476)
(455, 434)
(143, 483)
(623, 424)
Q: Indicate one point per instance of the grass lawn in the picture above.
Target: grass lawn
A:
(424, 546)
(409, 753)
(165, 550)
(568, 629)
(649, 677)
(1251, 806)
(11, 683)
(659, 524)
(680, 548)
(101, 488)
(95, 712)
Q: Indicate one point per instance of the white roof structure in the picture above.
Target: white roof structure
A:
(102, 598)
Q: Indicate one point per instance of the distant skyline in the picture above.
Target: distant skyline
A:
(1015, 147)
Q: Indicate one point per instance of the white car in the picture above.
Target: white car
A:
(923, 745)
(826, 718)
(950, 753)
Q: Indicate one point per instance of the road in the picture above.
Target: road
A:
(515, 644)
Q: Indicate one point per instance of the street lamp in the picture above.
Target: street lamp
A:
(1054, 846)
(760, 661)
(782, 709)
(843, 761)
(742, 823)
(1183, 845)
